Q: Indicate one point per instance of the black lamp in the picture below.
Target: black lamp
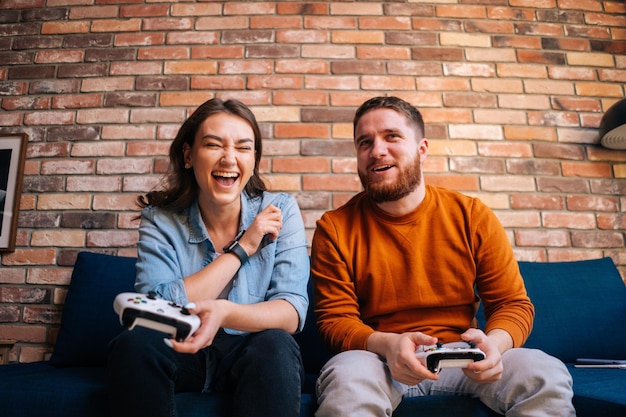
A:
(613, 126)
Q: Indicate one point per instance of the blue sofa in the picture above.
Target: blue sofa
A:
(580, 306)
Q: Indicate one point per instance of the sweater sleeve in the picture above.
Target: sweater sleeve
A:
(499, 283)
(336, 304)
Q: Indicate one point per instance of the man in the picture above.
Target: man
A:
(399, 266)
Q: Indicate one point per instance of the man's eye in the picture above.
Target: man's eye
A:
(213, 145)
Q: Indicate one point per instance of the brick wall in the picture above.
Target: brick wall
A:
(512, 92)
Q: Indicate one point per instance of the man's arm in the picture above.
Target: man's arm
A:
(336, 303)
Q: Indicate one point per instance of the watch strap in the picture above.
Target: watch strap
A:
(235, 247)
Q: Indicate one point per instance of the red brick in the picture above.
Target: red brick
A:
(592, 203)
(49, 28)
(510, 13)
(163, 53)
(104, 239)
(567, 220)
(196, 9)
(330, 183)
(301, 165)
(139, 39)
(611, 221)
(143, 11)
(304, 9)
(293, 131)
(545, 238)
(537, 202)
(21, 333)
(597, 239)
(579, 169)
(93, 184)
(275, 22)
(519, 219)
(106, 26)
(24, 257)
(330, 22)
(91, 12)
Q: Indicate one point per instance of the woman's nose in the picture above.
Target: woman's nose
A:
(228, 154)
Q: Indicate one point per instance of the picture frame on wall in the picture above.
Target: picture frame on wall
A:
(12, 159)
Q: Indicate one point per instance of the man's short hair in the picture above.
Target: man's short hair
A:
(394, 103)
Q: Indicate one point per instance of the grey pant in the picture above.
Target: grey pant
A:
(358, 383)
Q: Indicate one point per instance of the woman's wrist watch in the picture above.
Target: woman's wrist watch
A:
(235, 247)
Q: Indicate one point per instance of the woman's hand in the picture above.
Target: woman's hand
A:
(267, 223)
(211, 313)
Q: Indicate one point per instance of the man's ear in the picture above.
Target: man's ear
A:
(422, 148)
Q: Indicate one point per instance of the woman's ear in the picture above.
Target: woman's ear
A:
(187, 155)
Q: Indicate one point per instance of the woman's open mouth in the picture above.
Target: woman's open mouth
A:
(224, 178)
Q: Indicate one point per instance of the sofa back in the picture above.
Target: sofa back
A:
(88, 322)
(580, 308)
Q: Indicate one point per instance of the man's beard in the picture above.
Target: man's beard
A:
(380, 191)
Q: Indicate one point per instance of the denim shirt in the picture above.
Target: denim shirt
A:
(173, 246)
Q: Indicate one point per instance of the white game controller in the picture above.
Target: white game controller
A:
(449, 355)
(147, 310)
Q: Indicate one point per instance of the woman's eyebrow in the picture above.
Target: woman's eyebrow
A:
(220, 139)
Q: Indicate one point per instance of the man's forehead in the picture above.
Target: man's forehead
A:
(381, 119)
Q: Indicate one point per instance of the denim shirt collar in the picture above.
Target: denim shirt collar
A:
(197, 228)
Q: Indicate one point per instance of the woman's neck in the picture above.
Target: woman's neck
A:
(221, 222)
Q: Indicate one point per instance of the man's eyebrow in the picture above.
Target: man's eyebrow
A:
(360, 137)
(385, 131)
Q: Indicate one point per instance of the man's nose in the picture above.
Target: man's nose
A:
(379, 147)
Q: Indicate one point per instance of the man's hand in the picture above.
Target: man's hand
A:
(399, 353)
(493, 345)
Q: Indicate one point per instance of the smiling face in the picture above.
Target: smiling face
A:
(389, 155)
(222, 157)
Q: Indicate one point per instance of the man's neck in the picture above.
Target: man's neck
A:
(406, 204)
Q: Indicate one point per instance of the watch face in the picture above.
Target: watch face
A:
(229, 247)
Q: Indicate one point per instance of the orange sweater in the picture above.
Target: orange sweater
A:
(418, 272)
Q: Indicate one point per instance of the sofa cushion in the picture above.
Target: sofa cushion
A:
(40, 389)
(443, 405)
(88, 322)
(599, 389)
(589, 296)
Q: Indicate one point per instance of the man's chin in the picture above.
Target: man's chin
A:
(382, 195)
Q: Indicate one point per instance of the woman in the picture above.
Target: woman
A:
(217, 241)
